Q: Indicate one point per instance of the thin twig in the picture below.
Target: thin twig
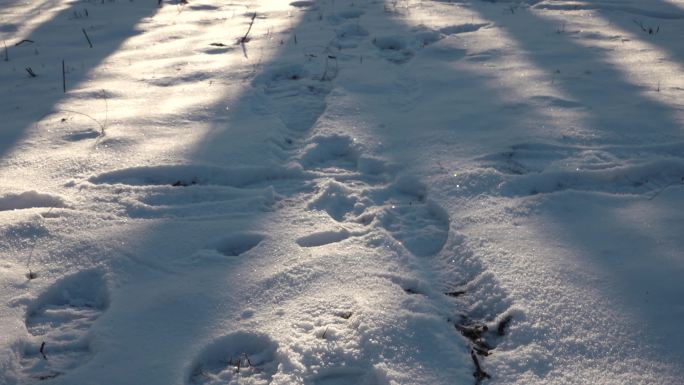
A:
(104, 96)
(479, 373)
(24, 41)
(245, 38)
(244, 50)
(665, 188)
(102, 127)
(647, 29)
(87, 37)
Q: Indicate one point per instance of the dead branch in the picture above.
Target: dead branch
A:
(245, 38)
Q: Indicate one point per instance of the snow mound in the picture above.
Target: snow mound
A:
(29, 199)
(323, 238)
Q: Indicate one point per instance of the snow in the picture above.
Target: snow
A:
(352, 192)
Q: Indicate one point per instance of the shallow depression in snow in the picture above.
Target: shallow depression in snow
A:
(237, 358)
(60, 319)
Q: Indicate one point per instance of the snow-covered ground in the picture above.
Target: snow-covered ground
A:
(342, 192)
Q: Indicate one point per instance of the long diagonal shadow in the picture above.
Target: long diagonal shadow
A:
(656, 22)
(617, 108)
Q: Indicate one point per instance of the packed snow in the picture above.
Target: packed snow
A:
(328, 192)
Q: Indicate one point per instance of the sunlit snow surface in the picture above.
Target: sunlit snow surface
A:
(341, 192)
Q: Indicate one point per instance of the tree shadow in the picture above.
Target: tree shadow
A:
(613, 102)
(629, 247)
(618, 112)
(656, 22)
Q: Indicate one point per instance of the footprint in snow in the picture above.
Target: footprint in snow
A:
(238, 244)
(333, 152)
(394, 49)
(340, 155)
(60, 320)
(349, 36)
(399, 50)
(402, 209)
(297, 93)
(348, 14)
(421, 226)
(237, 358)
(341, 202)
(449, 52)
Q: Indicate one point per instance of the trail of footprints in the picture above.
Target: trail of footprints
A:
(356, 189)
(351, 188)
